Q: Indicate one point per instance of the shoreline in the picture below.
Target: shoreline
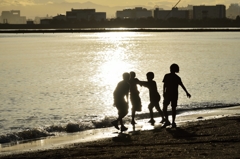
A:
(105, 138)
(92, 30)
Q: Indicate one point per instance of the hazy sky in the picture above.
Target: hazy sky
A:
(120, 2)
(32, 8)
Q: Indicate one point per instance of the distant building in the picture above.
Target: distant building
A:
(85, 14)
(37, 20)
(174, 13)
(233, 11)
(12, 17)
(135, 13)
(216, 12)
(30, 22)
(45, 21)
(189, 8)
(60, 17)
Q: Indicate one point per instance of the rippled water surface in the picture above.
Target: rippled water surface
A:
(56, 79)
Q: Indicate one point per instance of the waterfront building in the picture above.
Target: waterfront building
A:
(214, 12)
(85, 14)
(135, 13)
(59, 17)
(174, 13)
(233, 11)
(12, 17)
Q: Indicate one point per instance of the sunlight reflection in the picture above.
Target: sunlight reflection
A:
(115, 37)
(115, 60)
(111, 71)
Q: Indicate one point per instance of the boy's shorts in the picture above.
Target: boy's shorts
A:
(154, 104)
(122, 108)
(173, 102)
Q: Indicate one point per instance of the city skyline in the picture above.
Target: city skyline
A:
(33, 8)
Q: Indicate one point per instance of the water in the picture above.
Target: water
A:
(53, 83)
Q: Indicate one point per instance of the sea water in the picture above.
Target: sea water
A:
(58, 83)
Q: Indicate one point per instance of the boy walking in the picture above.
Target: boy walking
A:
(171, 81)
(154, 96)
(134, 96)
(120, 95)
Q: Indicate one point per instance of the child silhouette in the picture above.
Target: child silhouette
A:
(134, 96)
(154, 96)
(120, 95)
(170, 93)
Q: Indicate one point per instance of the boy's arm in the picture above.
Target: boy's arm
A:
(143, 83)
(127, 97)
(164, 89)
(188, 95)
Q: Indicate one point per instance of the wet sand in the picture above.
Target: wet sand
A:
(213, 134)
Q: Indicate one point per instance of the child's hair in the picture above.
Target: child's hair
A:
(150, 75)
(132, 74)
(174, 68)
(126, 76)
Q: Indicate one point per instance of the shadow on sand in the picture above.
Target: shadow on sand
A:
(122, 137)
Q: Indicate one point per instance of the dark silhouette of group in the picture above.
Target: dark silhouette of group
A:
(171, 81)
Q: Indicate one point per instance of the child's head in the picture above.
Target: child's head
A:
(132, 74)
(174, 68)
(126, 76)
(150, 76)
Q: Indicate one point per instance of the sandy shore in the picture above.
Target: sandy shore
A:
(202, 138)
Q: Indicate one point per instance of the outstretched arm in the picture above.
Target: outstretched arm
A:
(188, 95)
(143, 83)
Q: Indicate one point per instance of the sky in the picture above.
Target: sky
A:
(118, 2)
(54, 7)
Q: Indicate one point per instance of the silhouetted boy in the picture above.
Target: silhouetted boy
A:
(134, 96)
(154, 96)
(170, 93)
(120, 95)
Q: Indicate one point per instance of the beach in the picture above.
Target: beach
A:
(213, 134)
(56, 94)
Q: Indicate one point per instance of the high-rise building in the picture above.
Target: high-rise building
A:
(135, 13)
(215, 12)
(12, 17)
(85, 14)
(174, 13)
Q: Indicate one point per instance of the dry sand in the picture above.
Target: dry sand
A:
(212, 138)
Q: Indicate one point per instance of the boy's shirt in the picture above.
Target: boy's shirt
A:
(121, 90)
(171, 82)
(153, 92)
(133, 86)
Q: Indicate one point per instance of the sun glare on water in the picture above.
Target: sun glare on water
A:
(115, 60)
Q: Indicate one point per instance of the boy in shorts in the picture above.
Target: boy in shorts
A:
(154, 96)
(134, 96)
(120, 95)
(171, 81)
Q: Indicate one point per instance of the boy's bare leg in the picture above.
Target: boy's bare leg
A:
(174, 112)
(167, 122)
(123, 128)
(160, 112)
(165, 113)
(133, 117)
(151, 114)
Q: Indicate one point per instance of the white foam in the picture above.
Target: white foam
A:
(95, 134)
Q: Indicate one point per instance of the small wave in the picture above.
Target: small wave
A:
(204, 106)
(95, 122)
(24, 135)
